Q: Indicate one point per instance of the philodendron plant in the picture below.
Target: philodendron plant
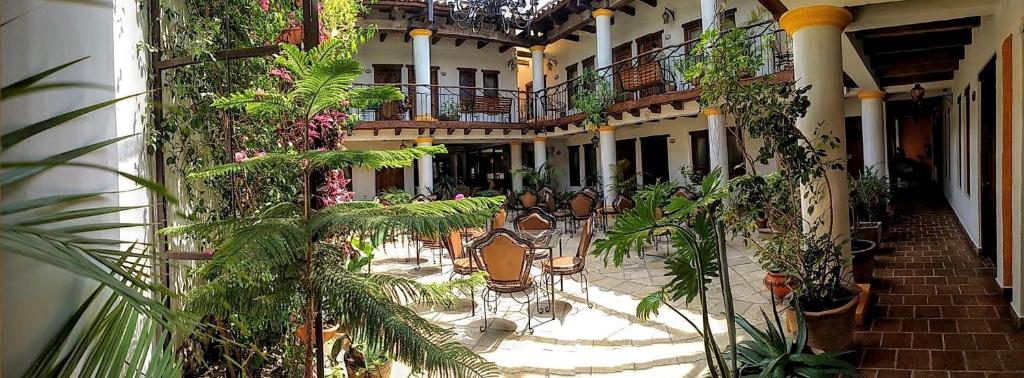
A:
(593, 96)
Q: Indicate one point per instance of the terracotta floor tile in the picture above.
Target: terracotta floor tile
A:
(947, 360)
(879, 358)
(983, 360)
(912, 359)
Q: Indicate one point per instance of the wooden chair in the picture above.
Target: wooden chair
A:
(619, 205)
(576, 264)
(507, 259)
(535, 219)
(497, 221)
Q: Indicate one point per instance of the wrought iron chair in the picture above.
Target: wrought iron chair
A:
(576, 264)
(536, 219)
(462, 263)
(581, 208)
(497, 221)
(619, 205)
(507, 260)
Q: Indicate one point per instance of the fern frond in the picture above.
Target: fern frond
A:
(368, 97)
(424, 218)
(324, 160)
(326, 85)
(374, 319)
(256, 102)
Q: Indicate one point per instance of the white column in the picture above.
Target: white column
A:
(638, 156)
(818, 62)
(607, 161)
(425, 166)
(708, 13)
(540, 151)
(603, 19)
(873, 129)
(516, 150)
(718, 141)
(537, 65)
(421, 60)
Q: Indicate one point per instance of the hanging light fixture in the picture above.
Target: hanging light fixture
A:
(917, 93)
(402, 146)
(595, 139)
(505, 15)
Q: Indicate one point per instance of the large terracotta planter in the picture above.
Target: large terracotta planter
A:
(830, 330)
(329, 333)
(777, 283)
(863, 260)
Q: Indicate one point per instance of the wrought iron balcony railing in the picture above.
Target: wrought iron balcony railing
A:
(650, 73)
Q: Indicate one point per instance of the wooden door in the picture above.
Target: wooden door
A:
(388, 74)
(387, 178)
(620, 64)
(987, 158)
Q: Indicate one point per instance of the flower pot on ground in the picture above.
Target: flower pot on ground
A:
(830, 329)
(871, 231)
(777, 283)
(359, 366)
(330, 331)
(863, 260)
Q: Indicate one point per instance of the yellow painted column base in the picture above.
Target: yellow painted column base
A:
(425, 118)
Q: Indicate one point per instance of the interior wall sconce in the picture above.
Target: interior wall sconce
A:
(444, 73)
(672, 141)
(917, 93)
(668, 15)
(368, 70)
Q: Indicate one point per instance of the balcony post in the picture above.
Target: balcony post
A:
(540, 151)
(607, 140)
(516, 150)
(718, 141)
(603, 19)
(818, 62)
(425, 167)
(874, 131)
(708, 14)
(421, 60)
(537, 65)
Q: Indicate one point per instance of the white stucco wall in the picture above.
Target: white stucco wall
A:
(444, 55)
(987, 42)
(35, 298)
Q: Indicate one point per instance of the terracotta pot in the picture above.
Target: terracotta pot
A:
(356, 368)
(329, 333)
(863, 260)
(777, 283)
(292, 35)
(830, 330)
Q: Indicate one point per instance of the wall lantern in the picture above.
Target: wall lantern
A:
(668, 16)
(672, 141)
(402, 146)
(595, 140)
(917, 93)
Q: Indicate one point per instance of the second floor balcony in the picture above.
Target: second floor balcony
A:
(648, 80)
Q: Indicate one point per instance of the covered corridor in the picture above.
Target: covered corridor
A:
(938, 311)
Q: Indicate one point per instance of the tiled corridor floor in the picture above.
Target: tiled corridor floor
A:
(938, 311)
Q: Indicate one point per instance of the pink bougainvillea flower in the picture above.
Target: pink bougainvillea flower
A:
(241, 156)
(261, 153)
(208, 251)
(460, 197)
(265, 5)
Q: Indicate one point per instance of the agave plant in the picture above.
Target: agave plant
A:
(291, 259)
(122, 328)
(769, 353)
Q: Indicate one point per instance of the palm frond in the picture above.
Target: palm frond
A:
(326, 85)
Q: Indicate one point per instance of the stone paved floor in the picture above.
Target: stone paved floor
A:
(606, 340)
(938, 311)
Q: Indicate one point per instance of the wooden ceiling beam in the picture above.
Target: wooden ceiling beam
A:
(628, 9)
(775, 7)
(589, 28)
(459, 41)
(448, 31)
(925, 78)
(931, 41)
(573, 37)
(653, 3)
(481, 44)
(383, 36)
(926, 67)
(504, 48)
(923, 28)
(900, 59)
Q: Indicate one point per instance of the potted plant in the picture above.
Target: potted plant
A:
(770, 353)
(869, 203)
(863, 252)
(329, 332)
(361, 362)
(824, 294)
(449, 111)
(593, 97)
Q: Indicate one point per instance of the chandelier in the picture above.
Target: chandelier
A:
(505, 15)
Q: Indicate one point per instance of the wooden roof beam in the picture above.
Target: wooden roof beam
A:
(628, 9)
